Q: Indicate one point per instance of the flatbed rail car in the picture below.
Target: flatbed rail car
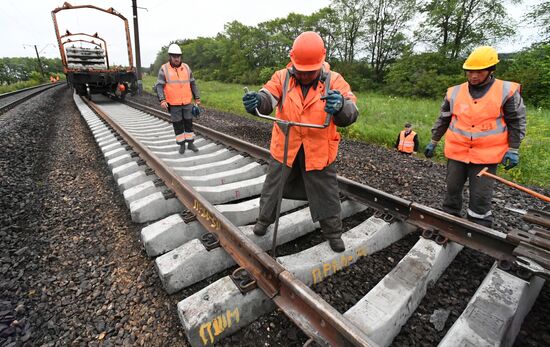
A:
(87, 68)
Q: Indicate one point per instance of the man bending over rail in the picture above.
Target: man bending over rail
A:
(303, 92)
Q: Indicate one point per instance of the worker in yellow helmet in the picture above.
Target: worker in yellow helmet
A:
(483, 121)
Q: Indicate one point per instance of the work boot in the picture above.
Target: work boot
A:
(192, 147)
(337, 245)
(331, 228)
(486, 222)
(182, 148)
(260, 228)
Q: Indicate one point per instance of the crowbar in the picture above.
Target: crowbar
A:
(285, 126)
(513, 185)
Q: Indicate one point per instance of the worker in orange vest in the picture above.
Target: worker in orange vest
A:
(304, 92)
(484, 123)
(176, 90)
(407, 140)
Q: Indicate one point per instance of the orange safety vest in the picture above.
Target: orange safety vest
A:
(406, 143)
(177, 89)
(320, 145)
(478, 133)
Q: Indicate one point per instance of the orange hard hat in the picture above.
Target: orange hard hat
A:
(308, 52)
(121, 87)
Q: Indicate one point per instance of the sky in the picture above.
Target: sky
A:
(161, 21)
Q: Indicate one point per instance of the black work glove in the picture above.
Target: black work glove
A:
(430, 150)
(251, 101)
(334, 101)
(510, 159)
(196, 111)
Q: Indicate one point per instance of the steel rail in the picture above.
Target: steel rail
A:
(37, 90)
(239, 145)
(18, 91)
(506, 248)
(304, 307)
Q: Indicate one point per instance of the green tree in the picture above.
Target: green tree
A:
(19, 69)
(540, 17)
(387, 21)
(453, 26)
(423, 75)
(351, 26)
(531, 68)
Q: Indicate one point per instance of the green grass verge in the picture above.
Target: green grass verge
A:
(382, 117)
(19, 85)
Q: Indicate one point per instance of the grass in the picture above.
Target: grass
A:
(382, 117)
(18, 85)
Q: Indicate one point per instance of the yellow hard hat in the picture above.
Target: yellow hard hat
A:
(481, 58)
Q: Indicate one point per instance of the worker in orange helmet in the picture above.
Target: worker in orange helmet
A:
(176, 90)
(484, 123)
(304, 92)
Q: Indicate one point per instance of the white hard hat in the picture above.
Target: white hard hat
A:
(174, 49)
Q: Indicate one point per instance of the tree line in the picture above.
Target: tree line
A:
(20, 69)
(372, 43)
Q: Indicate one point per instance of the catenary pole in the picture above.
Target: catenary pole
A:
(39, 62)
(136, 40)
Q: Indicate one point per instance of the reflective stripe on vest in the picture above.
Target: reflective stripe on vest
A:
(180, 138)
(477, 132)
(406, 143)
(185, 137)
(177, 89)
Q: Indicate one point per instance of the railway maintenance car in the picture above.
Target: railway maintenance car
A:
(87, 68)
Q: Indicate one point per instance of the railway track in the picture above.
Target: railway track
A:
(197, 202)
(12, 99)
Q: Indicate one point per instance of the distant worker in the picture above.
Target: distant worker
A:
(304, 92)
(52, 79)
(57, 78)
(407, 140)
(484, 120)
(176, 89)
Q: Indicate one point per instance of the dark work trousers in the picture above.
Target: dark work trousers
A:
(481, 191)
(182, 122)
(319, 187)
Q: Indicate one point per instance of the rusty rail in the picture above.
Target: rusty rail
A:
(303, 306)
(37, 90)
(506, 248)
